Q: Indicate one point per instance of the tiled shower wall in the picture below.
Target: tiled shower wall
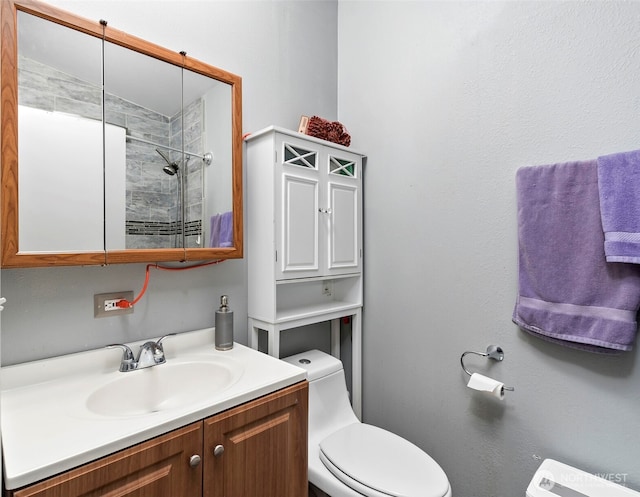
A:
(193, 142)
(153, 218)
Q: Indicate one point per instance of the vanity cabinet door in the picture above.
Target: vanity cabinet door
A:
(259, 449)
(157, 468)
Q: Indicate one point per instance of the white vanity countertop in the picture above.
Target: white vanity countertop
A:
(47, 427)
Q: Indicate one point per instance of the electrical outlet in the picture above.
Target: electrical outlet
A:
(111, 305)
(106, 304)
(327, 288)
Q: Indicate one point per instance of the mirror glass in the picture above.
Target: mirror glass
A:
(143, 150)
(60, 138)
(208, 155)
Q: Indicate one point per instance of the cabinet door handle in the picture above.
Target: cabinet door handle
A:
(194, 460)
(218, 450)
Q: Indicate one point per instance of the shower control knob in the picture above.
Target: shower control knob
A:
(218, 450)
(194, 460)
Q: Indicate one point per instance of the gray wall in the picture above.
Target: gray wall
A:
(448, 99)
(286, 53)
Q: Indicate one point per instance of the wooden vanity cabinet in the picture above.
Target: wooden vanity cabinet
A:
(259, 449)
(156, 468)
(264, 454)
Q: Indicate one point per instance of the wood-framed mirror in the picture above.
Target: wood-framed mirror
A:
(113, 149)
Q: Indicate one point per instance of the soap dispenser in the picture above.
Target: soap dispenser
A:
(224, 325)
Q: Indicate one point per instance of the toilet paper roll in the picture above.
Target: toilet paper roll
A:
(486, 384)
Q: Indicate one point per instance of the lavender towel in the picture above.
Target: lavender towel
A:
(619, 184)
(221, 230)
(568, 293)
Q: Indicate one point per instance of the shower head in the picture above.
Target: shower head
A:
(171, 169)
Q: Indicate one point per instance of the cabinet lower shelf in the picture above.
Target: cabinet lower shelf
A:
(311, 314)
(323, 310)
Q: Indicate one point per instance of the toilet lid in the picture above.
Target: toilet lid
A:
(367, 457)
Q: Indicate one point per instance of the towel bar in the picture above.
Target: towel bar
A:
(494, 352)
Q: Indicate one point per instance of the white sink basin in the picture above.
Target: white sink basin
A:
(163, 387)
(93, 410)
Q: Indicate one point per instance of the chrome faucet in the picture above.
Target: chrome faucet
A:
(151, 354)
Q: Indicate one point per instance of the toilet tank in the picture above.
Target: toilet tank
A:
(555, 479)
(317, 363)
(329, 404)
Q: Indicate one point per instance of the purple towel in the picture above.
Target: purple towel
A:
(568, 293)
(214, 236)
(221, 230)
(619, 184)
(226, 229)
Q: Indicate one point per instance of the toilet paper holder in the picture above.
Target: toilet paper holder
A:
(494, 352)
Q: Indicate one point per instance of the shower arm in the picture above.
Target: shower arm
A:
(206, 158)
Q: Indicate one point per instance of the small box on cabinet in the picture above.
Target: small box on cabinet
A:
(304, 124)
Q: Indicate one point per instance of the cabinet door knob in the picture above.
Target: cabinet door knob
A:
(218, 450)
(194, 460)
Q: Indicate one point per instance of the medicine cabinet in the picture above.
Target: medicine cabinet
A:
(114, 149)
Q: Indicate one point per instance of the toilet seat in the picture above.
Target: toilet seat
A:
(378, 463)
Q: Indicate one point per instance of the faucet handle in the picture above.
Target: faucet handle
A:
(159, 341)
(127, 353)
(128, 361)
(158, 349)
(152, 353)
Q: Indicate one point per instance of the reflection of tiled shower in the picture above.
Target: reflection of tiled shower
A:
(193, 179)
(154, 214)
(153, 219)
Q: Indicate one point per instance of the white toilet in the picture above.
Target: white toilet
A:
(348, 458)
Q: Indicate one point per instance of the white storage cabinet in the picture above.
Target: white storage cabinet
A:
(304, 247)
